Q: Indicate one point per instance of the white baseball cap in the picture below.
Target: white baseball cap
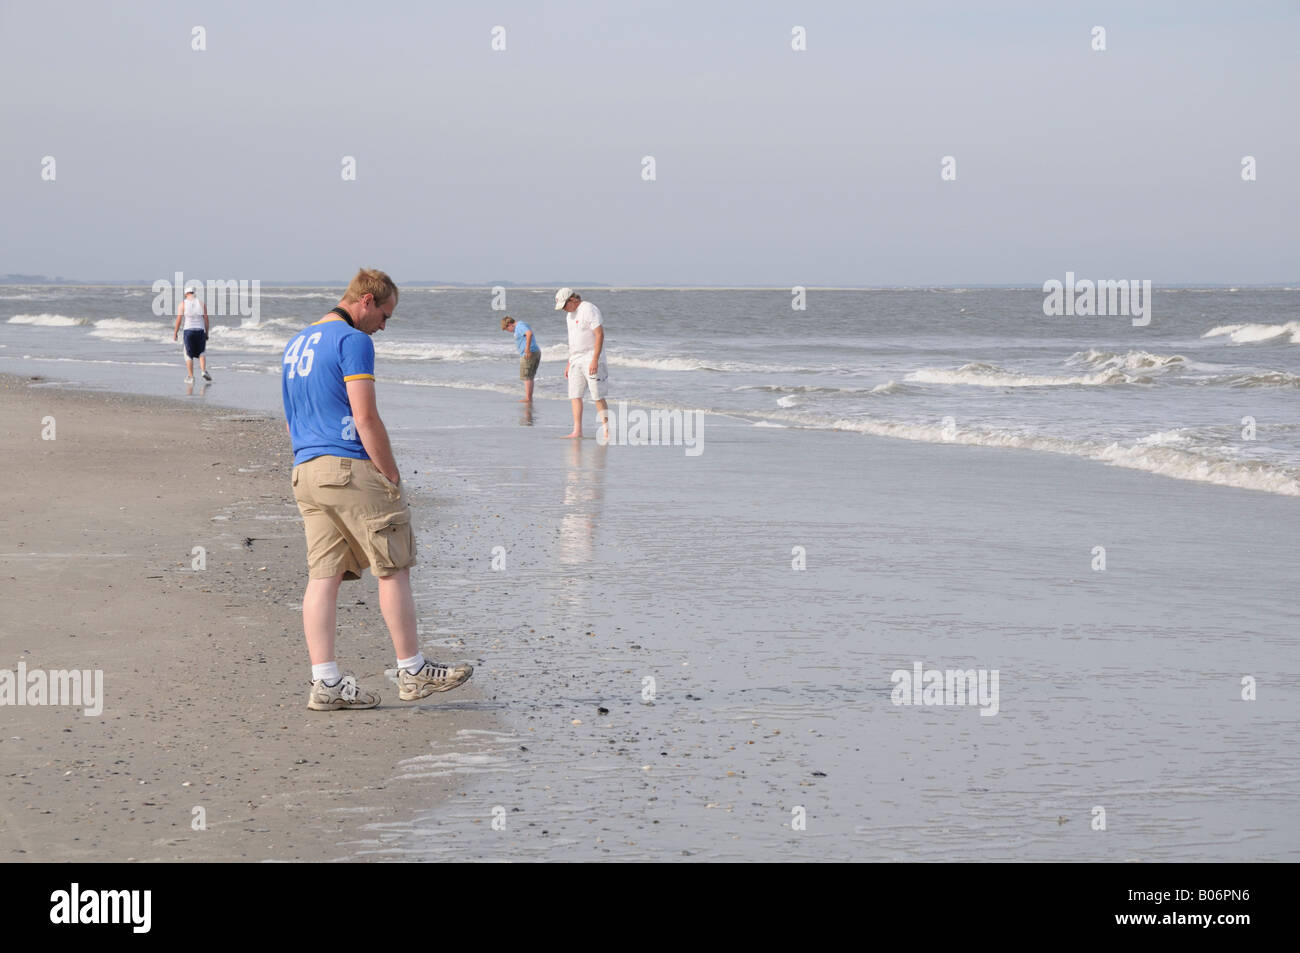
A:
(561, 298)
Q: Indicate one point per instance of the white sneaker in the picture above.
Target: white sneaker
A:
(345, 694)
(189, 380)
(434, 677)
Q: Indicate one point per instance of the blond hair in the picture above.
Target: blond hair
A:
(371, 281)
(506, 322)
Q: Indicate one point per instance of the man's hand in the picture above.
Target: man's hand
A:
(566, 370)
(591, 371)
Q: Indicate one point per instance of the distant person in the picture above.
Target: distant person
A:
(530, 355)
(348, 489)
(195, 315)
(586, 367)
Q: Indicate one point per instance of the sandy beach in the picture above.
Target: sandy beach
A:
(205, 674)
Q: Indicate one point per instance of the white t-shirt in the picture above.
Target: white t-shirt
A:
(193, 315)
(583, 321)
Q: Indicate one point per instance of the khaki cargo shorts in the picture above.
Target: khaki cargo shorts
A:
(528, 365)
(354, 518)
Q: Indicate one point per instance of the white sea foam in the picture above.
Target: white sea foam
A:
(1128, 361)
(789, 400)
(124, 329)
(1265, 379)
(810, 389)
(1167, 461)
(979, 374)
(308, 294)
(404, 351)
(1164, 438)
(1256, 333)
(247, 337)
(663, 363)
(512, 390)
(48, 320)
(91, 360)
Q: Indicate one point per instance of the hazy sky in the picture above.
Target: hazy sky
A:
(773, 166)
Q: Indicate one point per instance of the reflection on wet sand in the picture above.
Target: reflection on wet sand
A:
(583, 501)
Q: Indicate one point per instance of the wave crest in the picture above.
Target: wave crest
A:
(49, 320)
(1256, 333)
(980, 374)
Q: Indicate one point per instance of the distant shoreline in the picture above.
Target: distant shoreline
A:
(43, 281)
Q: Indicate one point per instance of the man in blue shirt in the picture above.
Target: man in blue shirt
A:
(530, 355)
(348, 489)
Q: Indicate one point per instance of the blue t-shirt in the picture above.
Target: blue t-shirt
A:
(521, 335)
(318, 363)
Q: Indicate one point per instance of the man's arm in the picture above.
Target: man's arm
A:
(206, 328)
(599, 332)
(371, 430)
(528, 342)
(179, 314)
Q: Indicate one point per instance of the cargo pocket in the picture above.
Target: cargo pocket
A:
(337, 473)
(392, 541)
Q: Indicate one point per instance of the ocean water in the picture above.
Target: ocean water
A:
(770, 586)
(1204, 392)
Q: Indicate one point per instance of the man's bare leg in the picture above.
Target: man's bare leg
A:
(577, 417)
(602, 415)
(528, 393)
(189, 366)
(203, 363)
(319, 614)
(398, 607)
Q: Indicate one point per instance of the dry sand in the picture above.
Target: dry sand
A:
(205, 672)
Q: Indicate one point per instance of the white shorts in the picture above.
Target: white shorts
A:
(580, 381)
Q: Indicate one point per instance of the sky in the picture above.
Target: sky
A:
(772, 166)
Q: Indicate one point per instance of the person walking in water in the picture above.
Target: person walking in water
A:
(194, 314)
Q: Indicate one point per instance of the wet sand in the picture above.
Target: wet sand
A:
(205, 674)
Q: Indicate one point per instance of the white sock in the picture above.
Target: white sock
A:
(412, 664)
(329, 671)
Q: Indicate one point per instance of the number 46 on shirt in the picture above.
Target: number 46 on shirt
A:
(301, 366)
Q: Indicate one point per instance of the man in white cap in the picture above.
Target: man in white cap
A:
(586, 367)
(195, 315)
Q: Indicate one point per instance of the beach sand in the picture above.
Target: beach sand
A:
(205, 673)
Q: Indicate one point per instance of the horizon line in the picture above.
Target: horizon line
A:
(12, 279)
